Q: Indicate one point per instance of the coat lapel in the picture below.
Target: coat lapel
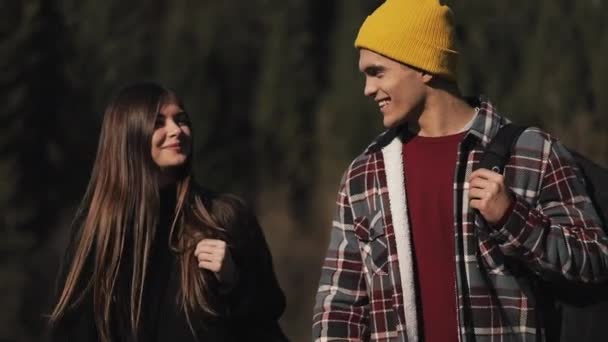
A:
(395, 179)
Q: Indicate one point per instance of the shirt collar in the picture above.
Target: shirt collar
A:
(483, 128)
(486, 124)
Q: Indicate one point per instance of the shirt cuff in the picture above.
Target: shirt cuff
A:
(505, 217)
(515, 221)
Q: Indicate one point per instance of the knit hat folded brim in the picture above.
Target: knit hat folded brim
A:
(419, 33)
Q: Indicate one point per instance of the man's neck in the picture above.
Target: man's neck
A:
(444, 113)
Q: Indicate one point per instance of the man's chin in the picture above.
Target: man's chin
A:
(391, 123)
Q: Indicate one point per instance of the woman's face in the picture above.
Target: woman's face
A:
(172, 137)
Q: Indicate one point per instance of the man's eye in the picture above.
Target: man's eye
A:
(375, 71)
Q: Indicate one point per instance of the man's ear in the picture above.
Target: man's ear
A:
(426, 77)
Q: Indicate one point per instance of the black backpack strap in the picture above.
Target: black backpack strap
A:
(498, 151)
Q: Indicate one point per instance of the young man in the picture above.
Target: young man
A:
(423, 248)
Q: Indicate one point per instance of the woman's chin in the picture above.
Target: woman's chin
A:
(173, 162)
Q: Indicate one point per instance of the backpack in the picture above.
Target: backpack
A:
(570, 312)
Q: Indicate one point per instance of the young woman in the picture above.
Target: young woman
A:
(153, 256)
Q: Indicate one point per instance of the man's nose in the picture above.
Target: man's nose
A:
(370, 88)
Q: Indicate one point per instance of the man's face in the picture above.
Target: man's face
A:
(397, 88)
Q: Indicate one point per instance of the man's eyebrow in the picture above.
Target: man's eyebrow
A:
(373, 69)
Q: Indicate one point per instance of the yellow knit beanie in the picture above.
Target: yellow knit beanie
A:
(419, 33)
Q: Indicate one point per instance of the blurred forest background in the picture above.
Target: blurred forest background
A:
(277, 106)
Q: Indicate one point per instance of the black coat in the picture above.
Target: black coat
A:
(249, 310)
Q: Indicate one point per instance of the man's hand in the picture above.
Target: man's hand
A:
(214, 256)
(489, 194)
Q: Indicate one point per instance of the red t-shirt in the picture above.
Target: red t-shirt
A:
(430, 164)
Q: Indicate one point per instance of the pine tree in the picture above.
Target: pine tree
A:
(36, 155)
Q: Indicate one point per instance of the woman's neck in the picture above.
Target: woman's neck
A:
(167, 196)
(166, 179)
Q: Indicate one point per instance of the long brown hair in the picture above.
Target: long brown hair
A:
(120, 209)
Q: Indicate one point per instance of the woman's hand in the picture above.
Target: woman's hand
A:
(214, 255)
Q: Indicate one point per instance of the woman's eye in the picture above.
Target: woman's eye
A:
(182, 119)
(159, 123)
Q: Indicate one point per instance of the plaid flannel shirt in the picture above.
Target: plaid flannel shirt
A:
(367, 291)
